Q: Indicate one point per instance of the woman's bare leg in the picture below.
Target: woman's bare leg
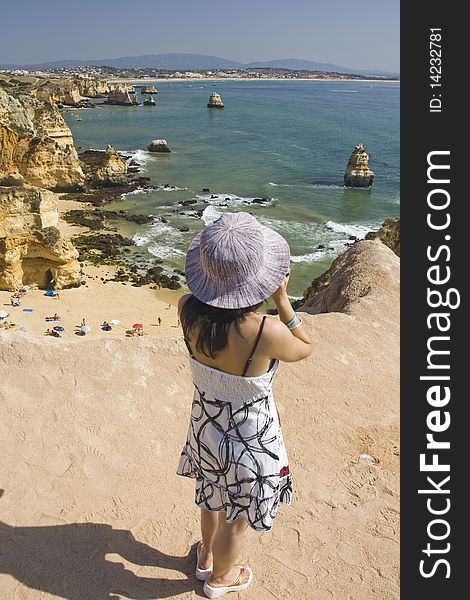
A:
(226, 547)
(209, 524)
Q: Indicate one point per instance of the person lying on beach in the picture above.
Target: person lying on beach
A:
(48, 332)
(106, 326)
(54, 318)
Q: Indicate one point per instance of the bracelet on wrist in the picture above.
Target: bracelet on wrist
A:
(297, 325)
(292, 321)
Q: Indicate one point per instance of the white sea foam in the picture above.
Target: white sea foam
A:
(332, 248)
(358, 231)
(232, 200)
(327, 186)
(140, 240)
(138, 190)
(308, 232)
(173, 188)
(273, 184)
(158, 233)
(164, 251)
(210, 214)
(141, 157)
(150, 189)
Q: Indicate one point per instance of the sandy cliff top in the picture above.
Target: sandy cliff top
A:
(91, 434)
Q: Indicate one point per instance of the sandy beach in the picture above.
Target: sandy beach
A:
(97, 302)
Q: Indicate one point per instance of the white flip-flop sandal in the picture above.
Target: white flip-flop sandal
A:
(236, 586)
(201, 574)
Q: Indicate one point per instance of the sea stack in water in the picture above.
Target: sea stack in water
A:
(112, 169)
(148, 89)
(358, 173)
(158, 146)
(215, 101)
(122, 95)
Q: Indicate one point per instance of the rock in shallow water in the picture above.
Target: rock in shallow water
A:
(215, 101)
(358, 173)
(158, 146)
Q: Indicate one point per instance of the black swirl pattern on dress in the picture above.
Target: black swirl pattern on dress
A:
(233, 452)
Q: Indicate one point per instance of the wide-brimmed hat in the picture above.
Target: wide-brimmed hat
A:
(236, 262)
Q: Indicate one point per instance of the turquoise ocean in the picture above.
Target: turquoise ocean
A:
(288, 141)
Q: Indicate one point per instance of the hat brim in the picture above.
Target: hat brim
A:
(259, 288)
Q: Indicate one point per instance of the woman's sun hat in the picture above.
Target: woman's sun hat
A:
(236, 262)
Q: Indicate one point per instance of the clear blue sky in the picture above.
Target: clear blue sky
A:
(361, 33)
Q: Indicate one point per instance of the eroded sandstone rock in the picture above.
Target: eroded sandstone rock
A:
(367, 268)
(148, 89)
(388, 234)
(32, 248)
(36, 143)
(358, 173)
(215, 101)
(122, 95)
(112, 171)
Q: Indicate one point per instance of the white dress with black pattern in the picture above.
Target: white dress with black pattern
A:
(234, 447)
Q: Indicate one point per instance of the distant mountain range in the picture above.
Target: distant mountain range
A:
(174, 61)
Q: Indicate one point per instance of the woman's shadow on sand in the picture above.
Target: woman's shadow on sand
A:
(69, 561)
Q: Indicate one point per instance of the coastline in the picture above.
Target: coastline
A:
(219, 79)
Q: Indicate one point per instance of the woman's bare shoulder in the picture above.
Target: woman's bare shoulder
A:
(273, 326)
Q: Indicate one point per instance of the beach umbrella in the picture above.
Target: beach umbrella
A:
(115, 321)
(137, 326)
(59, 328)
(3, 314)
(85, 329)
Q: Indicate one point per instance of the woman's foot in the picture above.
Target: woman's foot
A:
(238, 575)
(205, 558)
(203, 562)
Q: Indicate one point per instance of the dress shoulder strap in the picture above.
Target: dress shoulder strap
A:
(250, 358)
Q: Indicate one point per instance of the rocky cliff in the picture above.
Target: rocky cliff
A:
(92, 88)
(122, 95)
(363, 270)
(358, 173)
(32, 249)
(59, 91)
(388, 234)
(36, 142)
(36, 155)
(71, 91)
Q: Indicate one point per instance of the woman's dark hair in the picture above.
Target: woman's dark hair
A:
(212, 323)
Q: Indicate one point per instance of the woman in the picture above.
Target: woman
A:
(234, 447)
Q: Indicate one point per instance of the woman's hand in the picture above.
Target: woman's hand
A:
(281, 291)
